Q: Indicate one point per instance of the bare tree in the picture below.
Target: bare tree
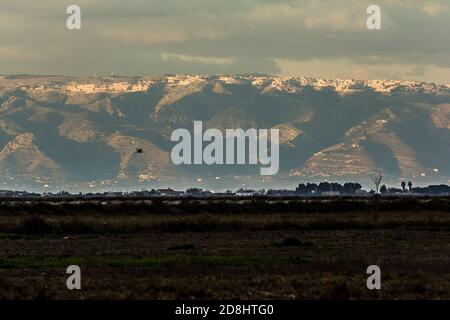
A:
(377, 178)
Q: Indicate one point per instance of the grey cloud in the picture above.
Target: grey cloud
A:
(131, 36)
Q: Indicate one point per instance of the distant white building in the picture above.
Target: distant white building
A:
(246, 193)
(330, 193)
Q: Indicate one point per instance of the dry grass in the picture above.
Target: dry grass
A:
(95, 224)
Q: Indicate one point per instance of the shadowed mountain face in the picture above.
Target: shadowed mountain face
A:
(59, 131)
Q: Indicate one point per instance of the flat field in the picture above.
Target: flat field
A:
(262, 248)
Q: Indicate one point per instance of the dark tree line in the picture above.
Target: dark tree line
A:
(431, 190)
(313, 188)
(350, 188)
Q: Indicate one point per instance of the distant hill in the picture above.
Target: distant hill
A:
(59, 131)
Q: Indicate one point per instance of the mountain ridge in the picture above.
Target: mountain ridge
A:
(329, 128)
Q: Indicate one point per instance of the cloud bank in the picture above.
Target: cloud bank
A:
(318, 38)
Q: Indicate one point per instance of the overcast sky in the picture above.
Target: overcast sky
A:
(316, 38)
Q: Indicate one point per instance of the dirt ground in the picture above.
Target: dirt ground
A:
(278, 263)
(414, 264)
